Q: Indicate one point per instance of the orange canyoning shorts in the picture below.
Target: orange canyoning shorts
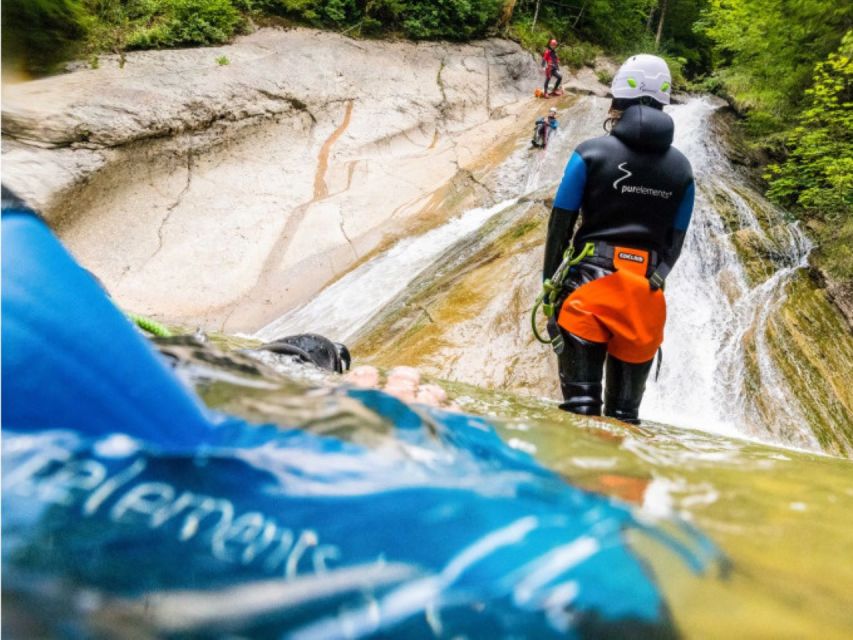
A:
(619, 309)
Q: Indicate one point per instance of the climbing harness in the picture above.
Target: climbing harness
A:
(553, 287)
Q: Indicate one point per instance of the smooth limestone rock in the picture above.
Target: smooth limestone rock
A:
(223, 195)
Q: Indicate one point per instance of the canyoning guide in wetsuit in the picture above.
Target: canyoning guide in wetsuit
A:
(634, 195)
(551, 64)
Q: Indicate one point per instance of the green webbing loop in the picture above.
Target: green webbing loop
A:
(152, 327)
(553, 286)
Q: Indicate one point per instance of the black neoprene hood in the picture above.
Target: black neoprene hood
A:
(645, 128)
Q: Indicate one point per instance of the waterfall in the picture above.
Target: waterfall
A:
(345, 307)
(715, 348)
(718, 370)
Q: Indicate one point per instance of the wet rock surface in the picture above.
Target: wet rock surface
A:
(222, 195)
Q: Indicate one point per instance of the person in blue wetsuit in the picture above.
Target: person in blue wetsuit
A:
(543, 128)
(633, 193)
(130, 507)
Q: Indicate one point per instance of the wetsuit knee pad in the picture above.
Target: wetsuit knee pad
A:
(626, 384)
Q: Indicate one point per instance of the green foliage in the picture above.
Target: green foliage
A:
(622, 29)
(184, 22)
(817, 176)
(682, 41)
(573, 53)
(43, 32)
(116, 25)
(437, 19)
(768, 48)
(223, 61)
(454, 19)
(616, 25)
(604, 76)
(816, 179)
(38, 34)
(303, 10)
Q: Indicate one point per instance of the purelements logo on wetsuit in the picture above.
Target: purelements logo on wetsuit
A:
(634, 188)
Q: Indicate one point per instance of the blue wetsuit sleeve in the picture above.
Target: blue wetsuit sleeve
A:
(570, 193)
(71, 360)
(676, 237)
(685, 209)
(564, 214)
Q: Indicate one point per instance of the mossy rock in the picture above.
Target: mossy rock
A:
(813, 348)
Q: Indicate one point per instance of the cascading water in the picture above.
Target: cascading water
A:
(343, 308)
(717, 314)
(342, 512)
(718, 372)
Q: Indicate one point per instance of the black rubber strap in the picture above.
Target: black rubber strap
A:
(658, 278)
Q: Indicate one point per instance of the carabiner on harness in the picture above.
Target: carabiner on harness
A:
(552, 288)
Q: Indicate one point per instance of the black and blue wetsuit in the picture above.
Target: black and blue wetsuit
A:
(634, 195)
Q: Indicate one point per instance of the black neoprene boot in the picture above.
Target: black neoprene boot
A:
(581, 364)
(626, 383)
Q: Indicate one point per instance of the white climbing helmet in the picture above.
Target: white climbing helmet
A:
(552, 111)
(643, 75)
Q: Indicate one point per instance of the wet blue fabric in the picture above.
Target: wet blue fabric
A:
(71, 359)
(570, 193)
(685, 209)
(141, 507)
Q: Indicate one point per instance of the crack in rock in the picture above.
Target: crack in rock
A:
(426, 313)
(346, 236)
(488, 82)
(173, 206)
(444, 105)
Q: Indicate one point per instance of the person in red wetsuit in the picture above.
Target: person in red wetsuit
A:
(551, 63)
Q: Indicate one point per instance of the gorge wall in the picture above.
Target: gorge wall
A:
(221, 186)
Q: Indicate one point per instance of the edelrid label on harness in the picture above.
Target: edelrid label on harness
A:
(631, 256)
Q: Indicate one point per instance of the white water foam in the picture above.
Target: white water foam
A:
(342, 309)
(714, 314)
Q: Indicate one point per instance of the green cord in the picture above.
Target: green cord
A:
(152, 327)
(552, 287)
(536, 333)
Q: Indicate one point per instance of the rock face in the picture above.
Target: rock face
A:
(224, 194)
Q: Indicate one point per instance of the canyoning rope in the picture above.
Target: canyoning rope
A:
(152, 327)
(553, 286)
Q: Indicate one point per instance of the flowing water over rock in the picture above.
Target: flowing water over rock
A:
(718, 311)
(464, 317)
(748, 381)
